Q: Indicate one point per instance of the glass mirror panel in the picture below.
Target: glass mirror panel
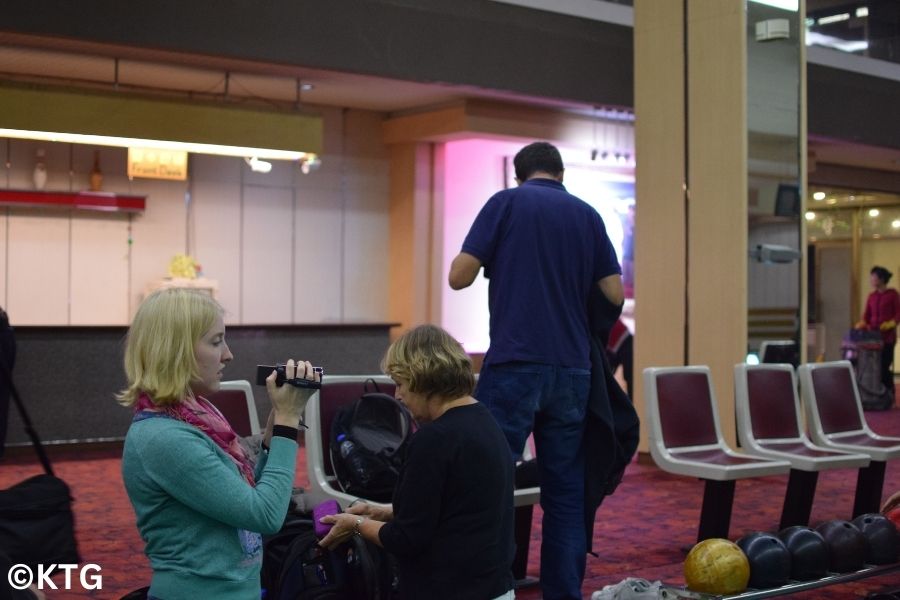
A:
(828, 225)
(773, 162)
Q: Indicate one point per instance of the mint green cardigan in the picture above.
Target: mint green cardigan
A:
(199, 519)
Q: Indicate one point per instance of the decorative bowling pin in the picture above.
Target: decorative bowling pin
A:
(96, 175)
(39, 176)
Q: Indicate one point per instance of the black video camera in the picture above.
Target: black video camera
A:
(263, 371)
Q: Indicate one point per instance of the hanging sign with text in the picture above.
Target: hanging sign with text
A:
(157, 164)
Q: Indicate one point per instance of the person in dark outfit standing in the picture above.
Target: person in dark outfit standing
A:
(450, 525)
(882, 314)
(8, 358)
(543, 251)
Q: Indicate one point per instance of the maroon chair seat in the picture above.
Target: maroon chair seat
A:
(717, 457)
(797, 449)
(865, 440)
(768, 414)
(235, 401)
(685, 438)
(835, 420)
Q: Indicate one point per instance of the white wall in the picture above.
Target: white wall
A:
(473, 171)
(283, 247)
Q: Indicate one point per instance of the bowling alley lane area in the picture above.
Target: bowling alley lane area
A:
(643, 530)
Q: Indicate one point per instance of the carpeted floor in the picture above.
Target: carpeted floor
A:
(639, 532)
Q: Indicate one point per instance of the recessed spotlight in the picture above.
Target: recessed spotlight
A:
(810, 215)
(874, 212)
(895, 223)
(819, 196)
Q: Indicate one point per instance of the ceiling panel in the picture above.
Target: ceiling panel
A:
(64, 65)
(277, 83)
(171, 77)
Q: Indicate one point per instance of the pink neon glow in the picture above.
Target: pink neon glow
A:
(473, 170)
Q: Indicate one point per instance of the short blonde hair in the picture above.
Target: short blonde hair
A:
(159, 348)
(432, 362)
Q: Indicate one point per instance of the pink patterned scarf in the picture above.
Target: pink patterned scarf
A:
(200, 413)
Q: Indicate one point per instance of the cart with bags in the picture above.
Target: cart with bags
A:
(863, 349)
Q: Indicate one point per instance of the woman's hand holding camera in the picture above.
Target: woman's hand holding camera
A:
(288, 401)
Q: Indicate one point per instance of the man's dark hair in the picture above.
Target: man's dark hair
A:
(883, 274)
(539, 156)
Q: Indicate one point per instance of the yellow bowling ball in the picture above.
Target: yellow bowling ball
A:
(716, 566)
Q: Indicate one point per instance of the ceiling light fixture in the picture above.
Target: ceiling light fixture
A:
(819, 196)
(874, 212)
(792, 5)
(834, 19)
(131, 121)
(258, 166)
(125, 142)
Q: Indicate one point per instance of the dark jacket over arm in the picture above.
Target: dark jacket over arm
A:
(612, 427)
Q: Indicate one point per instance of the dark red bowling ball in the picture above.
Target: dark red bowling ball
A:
(882, 537)
(894, 516)
(770, 560)
(809, 553)
(847, 545)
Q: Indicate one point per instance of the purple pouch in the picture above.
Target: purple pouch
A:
(328, 507)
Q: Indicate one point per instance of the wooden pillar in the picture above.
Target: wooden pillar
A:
(411, 216)
(691, 217)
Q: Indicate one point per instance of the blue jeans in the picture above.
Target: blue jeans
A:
(552, 402)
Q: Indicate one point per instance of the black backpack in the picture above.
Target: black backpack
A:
(368, 443)
(295, 567)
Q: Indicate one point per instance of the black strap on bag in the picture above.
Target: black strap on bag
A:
(7, 355)
(36, 521)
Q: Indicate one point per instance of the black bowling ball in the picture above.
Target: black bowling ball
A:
(809, 553)
(769, 558)
(882, 537)
(847, 545)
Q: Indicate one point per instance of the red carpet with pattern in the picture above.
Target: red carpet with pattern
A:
(639, 532)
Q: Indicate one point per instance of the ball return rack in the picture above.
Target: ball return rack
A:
(681, 593)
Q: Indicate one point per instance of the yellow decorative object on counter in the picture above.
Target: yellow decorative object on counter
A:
(183, 266)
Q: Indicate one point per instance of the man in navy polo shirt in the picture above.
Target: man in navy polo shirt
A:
(542, 250)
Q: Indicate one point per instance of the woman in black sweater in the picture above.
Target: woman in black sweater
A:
(451, 522)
